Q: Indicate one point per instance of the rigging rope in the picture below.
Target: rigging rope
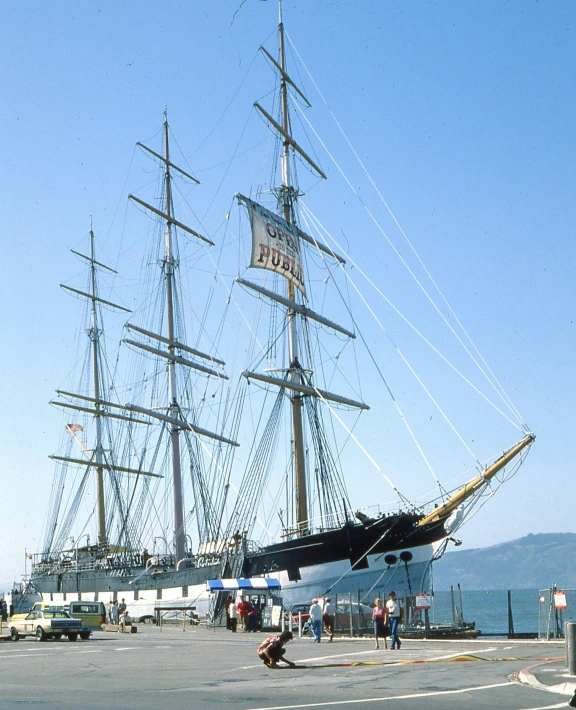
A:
(492, 379)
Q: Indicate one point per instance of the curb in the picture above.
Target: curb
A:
(528, 678)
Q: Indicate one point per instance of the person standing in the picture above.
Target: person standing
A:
(252, 617)
(329, 614)
(394, 608)
(233, 616)
(316, 620)
(114, 613)
(227, 605)
(242, 610)
(122, 619)
(379, 618)
(121, 607)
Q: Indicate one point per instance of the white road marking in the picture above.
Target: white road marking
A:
(25, 655)
(340, 655)
(390, 660)
(394, 698)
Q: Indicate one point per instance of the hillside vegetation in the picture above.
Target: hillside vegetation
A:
(531, 562)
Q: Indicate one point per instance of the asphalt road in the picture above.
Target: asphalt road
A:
(173, 669)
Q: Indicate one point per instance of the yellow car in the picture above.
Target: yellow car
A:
(39, 606)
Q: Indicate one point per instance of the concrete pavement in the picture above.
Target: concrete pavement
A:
(185, 667)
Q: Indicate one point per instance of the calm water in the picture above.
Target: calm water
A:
(489, 609)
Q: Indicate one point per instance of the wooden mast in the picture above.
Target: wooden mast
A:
(288, 197)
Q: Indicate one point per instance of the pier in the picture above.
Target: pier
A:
(193, 666)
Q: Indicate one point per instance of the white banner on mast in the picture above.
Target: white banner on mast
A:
(275, 244)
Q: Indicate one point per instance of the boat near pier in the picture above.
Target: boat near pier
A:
(172, 471)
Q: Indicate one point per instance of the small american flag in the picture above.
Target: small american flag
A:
(73, 428)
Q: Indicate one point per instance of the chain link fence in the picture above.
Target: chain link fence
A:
(551, 615)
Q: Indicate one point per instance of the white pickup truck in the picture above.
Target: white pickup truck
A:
(48, 624)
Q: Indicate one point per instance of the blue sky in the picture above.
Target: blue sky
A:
(463, 112)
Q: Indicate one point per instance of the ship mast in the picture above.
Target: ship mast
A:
(284, 257)
(174, 409)
(94, 335)
(94, 332)
(175, 417)
(288, 195)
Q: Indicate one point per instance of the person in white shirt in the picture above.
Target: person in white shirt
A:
(123, 617)
(316, 620)
(394, 608)
(233, 616)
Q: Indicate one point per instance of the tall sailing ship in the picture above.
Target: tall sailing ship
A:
(145, 503)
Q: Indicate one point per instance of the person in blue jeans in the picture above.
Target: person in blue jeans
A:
(316, 620)
(394, 618)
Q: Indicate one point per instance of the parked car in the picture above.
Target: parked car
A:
(93, 614)
(48, 624)
(40, 606)
(359, 614)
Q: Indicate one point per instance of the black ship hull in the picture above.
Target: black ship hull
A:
(355, 558)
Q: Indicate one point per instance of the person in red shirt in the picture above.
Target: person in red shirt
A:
(242, 609)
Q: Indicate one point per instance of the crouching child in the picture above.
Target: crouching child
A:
(271, 650)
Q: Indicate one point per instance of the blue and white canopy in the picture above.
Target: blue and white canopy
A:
(234, 585)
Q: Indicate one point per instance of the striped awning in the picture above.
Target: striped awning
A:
(234, 585)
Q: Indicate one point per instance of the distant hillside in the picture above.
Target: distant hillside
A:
(531, 562)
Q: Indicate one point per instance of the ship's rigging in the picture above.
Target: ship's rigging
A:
(164, 434)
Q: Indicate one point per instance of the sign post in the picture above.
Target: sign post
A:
(423, 602)
(560, 600)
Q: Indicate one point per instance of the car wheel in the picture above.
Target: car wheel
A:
(72, 637)
(84, 635)
(14, 635)
(40, 635)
